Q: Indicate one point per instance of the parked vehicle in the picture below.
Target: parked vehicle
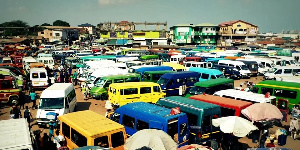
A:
(282, 71)
(153, 76)
(140, 115)
(178, 83)
(38, 77)
(228, 71)
(9, 91)
(210, 86)
(129, 92)
(244, 71)
(47, 61)
(200, 115)
(207, 74)
(87, 128)
(59, 98)
(142, 70)
(176, 67)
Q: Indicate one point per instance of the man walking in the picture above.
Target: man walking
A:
(27, 115)
(33, 99)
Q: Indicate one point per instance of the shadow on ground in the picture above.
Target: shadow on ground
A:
(83, 106)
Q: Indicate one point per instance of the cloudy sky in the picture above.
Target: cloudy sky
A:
(268, 15)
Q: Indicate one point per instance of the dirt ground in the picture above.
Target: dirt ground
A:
(98, 106)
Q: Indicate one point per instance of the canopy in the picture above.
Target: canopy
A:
(262, 112)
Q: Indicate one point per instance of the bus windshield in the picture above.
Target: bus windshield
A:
(197, 90)
(244, 67)
(51, 103)
(100, 82)
(162, 81)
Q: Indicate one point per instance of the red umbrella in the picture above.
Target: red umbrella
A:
(262, 112)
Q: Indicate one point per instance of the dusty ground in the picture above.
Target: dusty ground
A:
(98, 106)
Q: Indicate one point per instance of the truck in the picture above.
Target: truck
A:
(9, 91)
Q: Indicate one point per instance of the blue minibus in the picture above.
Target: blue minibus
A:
(229, 71)
(177, 83)
(207, 73)
(140, 115)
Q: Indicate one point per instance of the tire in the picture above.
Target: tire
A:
(103, 97)
(13, 101)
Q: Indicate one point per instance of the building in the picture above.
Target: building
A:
(59, 33)
(182, 34)
(205, 33)
(89, 28)
(238, 32)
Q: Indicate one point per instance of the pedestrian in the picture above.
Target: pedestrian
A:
(27, 115)
(22, 100)
(45, 141)
(83, 90)
(62, 77)
(52, 125)
(75, 77)
(33, 98)
(263, 138)
(256, 133)
(294, 127)
(63, 145)
(66, 77)
(70, 70)
(29, 86)
(55, 76)
(16, 112)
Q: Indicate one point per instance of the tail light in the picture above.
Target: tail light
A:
(199, 135)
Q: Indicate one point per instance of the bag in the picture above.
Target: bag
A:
(282, 139)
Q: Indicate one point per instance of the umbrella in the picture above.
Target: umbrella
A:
(262, 112)
(152, 138)
(240, 127)
(194, 147)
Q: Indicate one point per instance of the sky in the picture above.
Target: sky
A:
(268, 15)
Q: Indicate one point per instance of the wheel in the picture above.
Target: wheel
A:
(14, 101)
(103, 97)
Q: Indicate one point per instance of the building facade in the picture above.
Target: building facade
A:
(89, 28)
(205, 33)
(182, 34)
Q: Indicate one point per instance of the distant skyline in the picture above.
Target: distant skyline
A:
(268, 15)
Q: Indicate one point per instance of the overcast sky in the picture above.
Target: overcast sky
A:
(268, 15)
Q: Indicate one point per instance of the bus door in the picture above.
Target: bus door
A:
(146, 94)
(183, 132)
(283, 106)
(156, 93)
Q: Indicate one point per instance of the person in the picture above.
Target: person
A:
(75, 77)
(256, 133)
(22, 100)
(296, 111)
(63, 146)
(33, 97)
(62, 77)
(45, 141)
(294, 127)
(52, 125)
(27, 115)
(55, 76)
(16, 112)
(83, 90)
(70, 70)
(66, 77)
(263, 139)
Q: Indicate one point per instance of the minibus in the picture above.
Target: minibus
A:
(178, 83)
(251, 65)
(59, 98)
(245, 96)
(152, 68)
(129, 92)
(140, 115)
(37, 65)
(99, 91)
(153, 76)
(210, 86)
(282, 71)
(189, 64)
(88, 128)
(192, 59)
(200, 115)
(26, 62)
(39, 77)
(244, 71)
(178, 59)
(176, 67)
(229, 71)
(288, 91)
(229, 106)
(207, 74)
(47, 61)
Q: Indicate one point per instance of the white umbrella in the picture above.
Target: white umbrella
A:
(240, 127)
(152, 138)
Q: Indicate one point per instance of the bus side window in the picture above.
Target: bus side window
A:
(265, 90)
(67, 101)
(101, 141)
(140, 125)
(108, 82)
(115, 117)
(66, 130)
(78, 139)
(156, 89)
(128, 121)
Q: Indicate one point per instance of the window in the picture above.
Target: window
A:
(238, 25)
(71, 95)
(132, 79)
(213, 77)
(156, 89)
(118, 80)
(130, 91)
(5, 84)
(183, 129)
(117, 139)
(140, 125)
(35, 75)
(115, 117)
(227, 112)
(42, 75)
(50, 34)
(78, 139)
(193, 119)
(179, 81)
(285, 93)
(172, 127)
(206, 121)
(101, 141)
(66, 130)
(205, 76)
(287, 71)
(265, 90)
(145, 90)
(108, 82)
(191, 79)
(57, 34)
(128, 121)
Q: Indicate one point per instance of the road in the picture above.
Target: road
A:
(98, 106)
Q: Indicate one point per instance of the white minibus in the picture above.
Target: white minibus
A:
(282, 71)
(47, 61)
(59, 98)
(39, 77)
(244, 71)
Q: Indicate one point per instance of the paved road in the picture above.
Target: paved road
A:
(98, 106)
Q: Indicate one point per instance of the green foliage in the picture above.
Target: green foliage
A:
(61, 23)
(21, 28)
(46, 24)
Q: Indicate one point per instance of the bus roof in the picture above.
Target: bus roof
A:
(205, 70)
(158, 72)
(189, 105)
(145, 57)
(214, 82)
(121, 76)
(222, 101)
(279, 84)
(244, 95)
(173, 65)
(134, 84)
(181, 74)
(149, 111)
(154, 68)
(99, 57)
(57, 90)
(89, 123)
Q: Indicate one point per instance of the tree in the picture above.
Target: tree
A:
(15, 27)
(46, 24)
(61, 23)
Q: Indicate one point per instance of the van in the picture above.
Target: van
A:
(38, 77)
(229, 71)
(26, 62)
(176, 67)
(99, 91)
(178, 83)
(200, 115)
(207, 74)
(129, 92)
(210, 86)
(282, 71)
(153, 76)
(7, 60)
(140, 115)
(47, 61)
(153, 68)
(88, 128)
(244, 71)
(59, 98)
(37, 65)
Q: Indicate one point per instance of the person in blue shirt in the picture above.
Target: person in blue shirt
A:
(75, 77)
(52, 125)
(33, 98)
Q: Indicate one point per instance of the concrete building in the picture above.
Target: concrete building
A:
(182, 34)
(205, 33)
(89, 28)
(58, 33)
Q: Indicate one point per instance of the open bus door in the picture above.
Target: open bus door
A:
(283, 106)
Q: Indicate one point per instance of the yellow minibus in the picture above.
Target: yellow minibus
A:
(88, 128)
(122, 93)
